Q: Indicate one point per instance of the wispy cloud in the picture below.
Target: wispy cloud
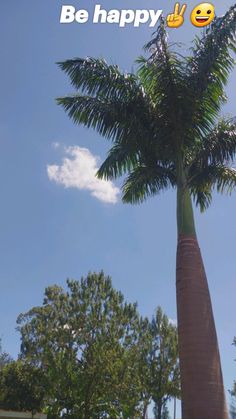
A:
(78, 170)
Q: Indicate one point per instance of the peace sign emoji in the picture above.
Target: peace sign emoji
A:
(176, 19)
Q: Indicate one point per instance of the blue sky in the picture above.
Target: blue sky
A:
(49, 232)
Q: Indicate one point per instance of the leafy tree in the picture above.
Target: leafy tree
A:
(144, 347)
(22, 387)
(84, 341)
(5, 358)
(164, 363)
(165, 131)
(99, 358)
(159, 365)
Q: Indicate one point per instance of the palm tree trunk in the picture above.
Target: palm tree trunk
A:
(201, 377)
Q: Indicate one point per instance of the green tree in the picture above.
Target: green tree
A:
(99, 358)
(144, 348)
(158, 363)
(5, 358)
(85, 342)
(165, 131)
(22, 387)
(163, 363)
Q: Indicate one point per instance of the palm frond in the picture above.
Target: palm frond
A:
(131, 152)
(219, 146)
(144, 181)
(122, 158)
(202, 197)
(111, 118)
(211, 60)
(225, 179)
(95, 77)
(220, 177)
(162, 75)
(209, 67)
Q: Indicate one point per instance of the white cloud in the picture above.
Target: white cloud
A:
(78, 170)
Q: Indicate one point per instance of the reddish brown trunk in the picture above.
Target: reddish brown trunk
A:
(201, 377)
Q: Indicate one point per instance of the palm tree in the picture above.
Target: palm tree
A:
(166, 132)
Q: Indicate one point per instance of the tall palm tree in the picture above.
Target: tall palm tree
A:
(165, 130)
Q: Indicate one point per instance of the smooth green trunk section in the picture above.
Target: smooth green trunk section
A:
(185, 217)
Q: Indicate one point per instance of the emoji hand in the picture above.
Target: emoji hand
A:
(176, 19)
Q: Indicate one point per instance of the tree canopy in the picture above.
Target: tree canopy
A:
(22, 387)
(5, 358)
(94, 354)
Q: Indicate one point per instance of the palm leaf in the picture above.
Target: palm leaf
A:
(95, 77)
(122, 158)
(220, 177)
(163, 76)
(211, 61)
(111, 118)
(209, 67)
(144, 181)
(219, 146)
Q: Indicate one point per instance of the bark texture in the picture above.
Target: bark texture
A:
(201, 377)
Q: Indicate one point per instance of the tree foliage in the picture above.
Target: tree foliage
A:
(96, 353)
(22, 387)
(159, 363)
(164, 364)
(84, 341)
(5, 358)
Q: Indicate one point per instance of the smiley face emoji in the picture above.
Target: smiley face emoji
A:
(203, 14)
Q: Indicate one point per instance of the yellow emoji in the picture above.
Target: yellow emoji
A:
(176, 19)
(203, 14)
